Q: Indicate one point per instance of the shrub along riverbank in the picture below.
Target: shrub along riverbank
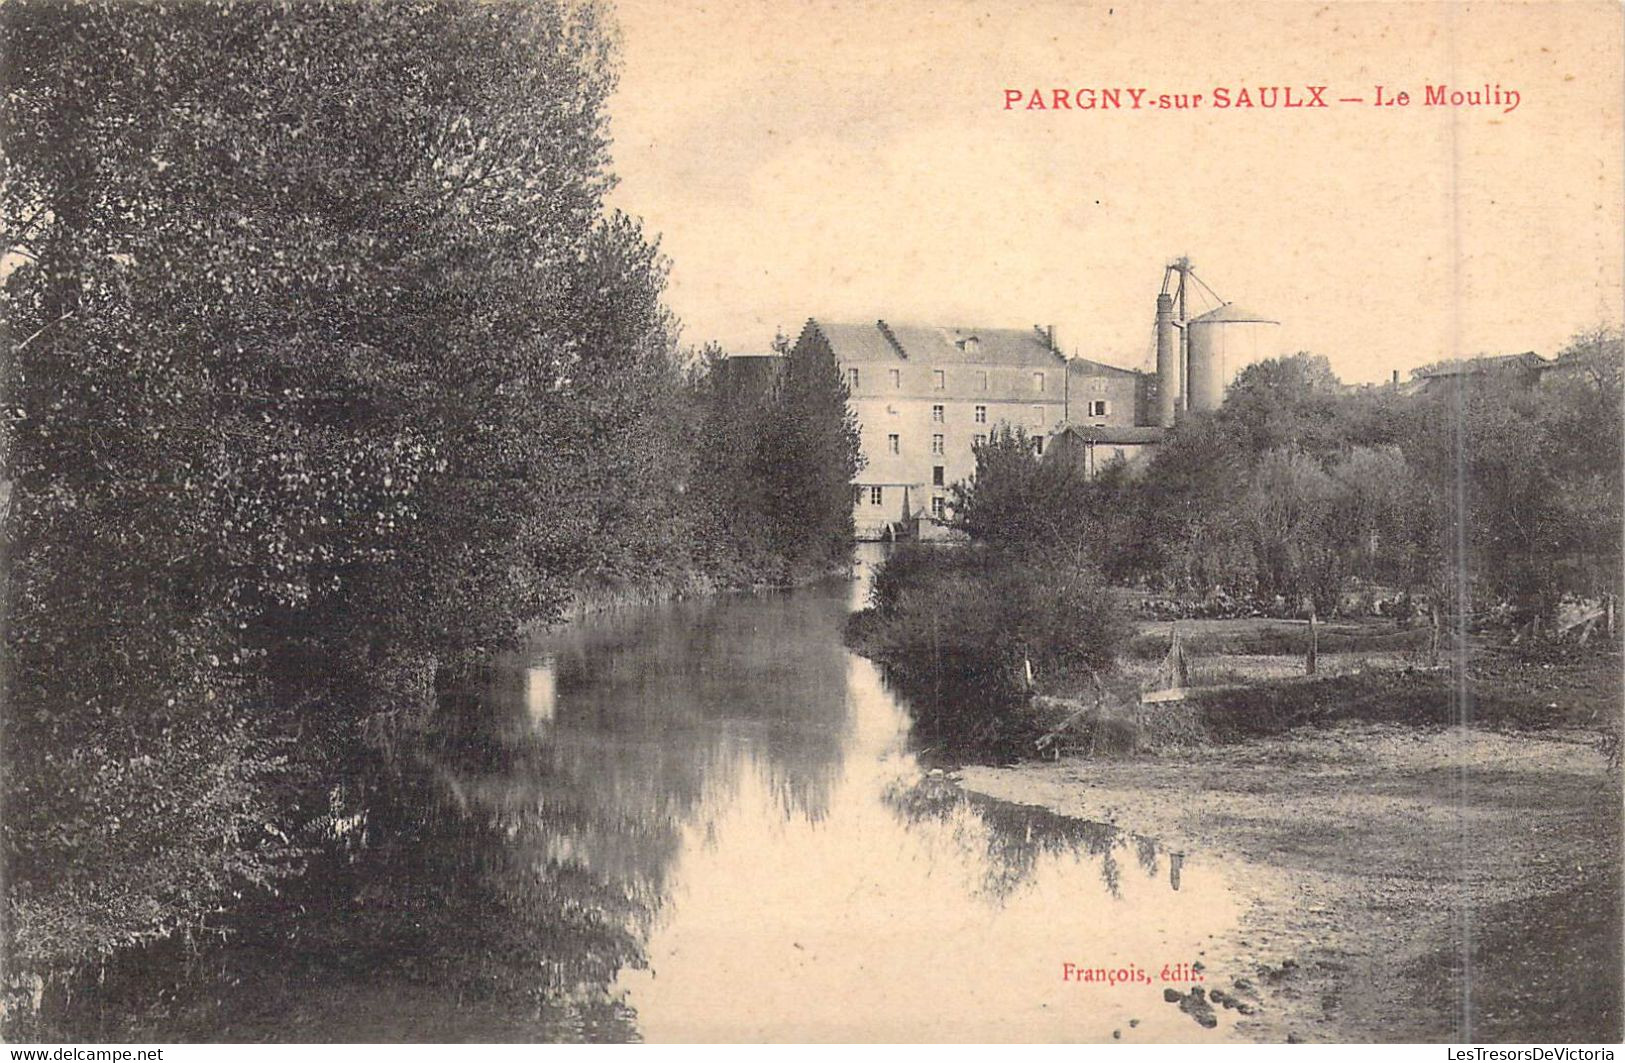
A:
(955, 628)
(966, 631)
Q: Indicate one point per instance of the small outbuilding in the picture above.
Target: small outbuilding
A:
(1092, 448)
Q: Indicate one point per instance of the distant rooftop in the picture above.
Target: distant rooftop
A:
(1231, 313)
(1089, 367)
(1113, 433)
(881, 341)
(1484, 363)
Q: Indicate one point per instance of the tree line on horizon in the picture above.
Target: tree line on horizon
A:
(1492, 496)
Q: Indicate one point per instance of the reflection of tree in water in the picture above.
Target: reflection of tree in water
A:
(1146, 850)
(1013, 837)
(576, 818)
(762, 678)
(433, 907)
(512, 861)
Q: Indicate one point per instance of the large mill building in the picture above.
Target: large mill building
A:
(925, 395)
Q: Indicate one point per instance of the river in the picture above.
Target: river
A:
(702, 821)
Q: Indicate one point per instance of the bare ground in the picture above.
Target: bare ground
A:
(1404, 883)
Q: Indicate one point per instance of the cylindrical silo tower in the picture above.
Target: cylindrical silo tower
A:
(1167, 361)
(1222, 342)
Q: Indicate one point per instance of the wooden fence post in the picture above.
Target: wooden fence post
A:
(1178, 671)
(1314, 644)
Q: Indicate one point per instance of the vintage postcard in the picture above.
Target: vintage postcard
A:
(719, 521)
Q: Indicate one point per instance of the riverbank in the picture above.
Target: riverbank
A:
(598, 599)
(1370, 853)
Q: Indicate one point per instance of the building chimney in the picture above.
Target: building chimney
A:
(1167, 361)
(1396, 378)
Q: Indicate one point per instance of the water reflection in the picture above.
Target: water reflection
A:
(702, 822)
(541, 691)
(911, 911)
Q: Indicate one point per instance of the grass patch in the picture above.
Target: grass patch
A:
(1404, 696)
(1276, 638)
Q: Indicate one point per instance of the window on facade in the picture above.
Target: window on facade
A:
(1038, 415)
(894, 443)
(1038, 381)
(939, 379)
(938, 508)
(877, 495)
(937, 474)
(896, 378)
(1098, 408)
(979, 440)
(1038, 444)
(981, 415)
(857, 494)
(852, 379)
(936, 444)
(981, 380)
(936, 414)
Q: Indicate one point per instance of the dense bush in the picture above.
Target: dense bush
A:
(956, 627)
(1018, 501)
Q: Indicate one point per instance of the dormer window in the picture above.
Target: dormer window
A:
(971, 345)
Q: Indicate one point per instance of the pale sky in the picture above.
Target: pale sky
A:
(854, 160)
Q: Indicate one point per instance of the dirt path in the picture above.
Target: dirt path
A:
(1405, 885)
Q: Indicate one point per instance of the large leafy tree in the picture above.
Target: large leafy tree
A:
(1188, 532)
(307, 303)
(1524, 481)
(1019, 500)
(807, 457)
(1288, 401)
(1288, 513)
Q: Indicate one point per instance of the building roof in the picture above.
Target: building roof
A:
(1485, 363)
(937, 345)
(1113, 433)
(1088, 367)
(1230, 312)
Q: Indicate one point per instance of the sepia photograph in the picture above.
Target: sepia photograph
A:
(909, 522)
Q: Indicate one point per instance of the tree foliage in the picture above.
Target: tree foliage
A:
(1016, 499)
(1492, 489)
(327, 367)
(957, 628)
(809, 454)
